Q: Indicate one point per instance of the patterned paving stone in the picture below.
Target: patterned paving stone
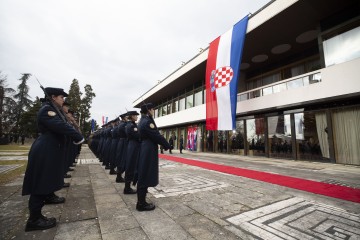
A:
(88, 161)
(7, 158)
(298, 218)
(178, 184)
(8, 168)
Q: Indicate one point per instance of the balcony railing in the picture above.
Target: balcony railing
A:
(291, 83)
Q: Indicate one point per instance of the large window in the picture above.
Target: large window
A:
(271, 79)
(255, 137)
(287, 72)
(182, 104)
(164, 110)
(237, 138)
(175, 106)
(311, 136)
(198, 98)
(190, 101)
(279, 129)
(343, 47)
(169, 108)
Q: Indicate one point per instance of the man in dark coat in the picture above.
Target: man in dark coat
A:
(171, 143)
(119, 158)
(148, 165)
(132, 153)
(114, 141)
(181, 143)
(44, 173)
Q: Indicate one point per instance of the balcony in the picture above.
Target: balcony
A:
(290, 83)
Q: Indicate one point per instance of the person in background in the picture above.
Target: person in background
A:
(181, 143)
(171, 143)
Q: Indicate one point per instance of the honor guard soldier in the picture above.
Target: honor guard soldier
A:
(114, 142)
(120, 152)
(132, 153)
(44, 173)
(148, 165)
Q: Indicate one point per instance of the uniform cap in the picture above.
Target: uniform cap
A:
(123, 115)
(55, 91)
(130, 113)
(146, 107)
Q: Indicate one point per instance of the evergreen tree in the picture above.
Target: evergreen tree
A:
(23, 99)
(74, 97)
(28, 120)
(7, 106)
(86, 102)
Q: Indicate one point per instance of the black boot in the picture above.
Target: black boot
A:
(142, 205)
(128, 189)
(53, 199)
(37, 221)
(112, 171)
(119, 178)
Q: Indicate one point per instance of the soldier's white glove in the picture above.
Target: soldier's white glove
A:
(80, 142)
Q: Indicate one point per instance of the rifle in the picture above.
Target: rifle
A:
(50, 102)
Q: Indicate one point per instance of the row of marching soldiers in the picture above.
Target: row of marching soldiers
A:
(130, 151)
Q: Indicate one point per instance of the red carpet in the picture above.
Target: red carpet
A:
(330, 190)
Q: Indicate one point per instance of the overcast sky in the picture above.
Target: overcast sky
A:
(120, 48)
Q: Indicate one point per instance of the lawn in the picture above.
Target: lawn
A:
(14, 147)
(13, 174)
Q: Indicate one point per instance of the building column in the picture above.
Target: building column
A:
(293, 136)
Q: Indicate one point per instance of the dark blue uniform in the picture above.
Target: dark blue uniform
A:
(120, 156)
(114, 142)
(45, 170)
(148, 167)
(132, 153)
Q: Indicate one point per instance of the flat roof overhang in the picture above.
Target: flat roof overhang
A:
(279, 22)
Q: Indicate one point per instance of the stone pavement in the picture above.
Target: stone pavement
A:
(193, 203)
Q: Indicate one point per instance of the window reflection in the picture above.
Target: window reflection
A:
(182, 104)
(189, 101)
(175, 106)
(295, 83)
(343, 47)
(311, 136)
(280, 144)
(198, 98)
(255, 137)
(279, 88)
(237, 138)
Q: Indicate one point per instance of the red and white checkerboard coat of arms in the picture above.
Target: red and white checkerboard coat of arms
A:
(223, 76)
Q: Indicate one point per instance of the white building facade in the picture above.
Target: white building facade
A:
(299, 87)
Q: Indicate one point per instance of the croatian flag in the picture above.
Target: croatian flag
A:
(222, 73)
